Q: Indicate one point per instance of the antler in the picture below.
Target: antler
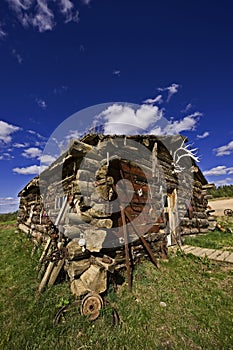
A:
(188, 152)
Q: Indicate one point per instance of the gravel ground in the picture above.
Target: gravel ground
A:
(220, 205)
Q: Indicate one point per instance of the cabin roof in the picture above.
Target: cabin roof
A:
(90, 140)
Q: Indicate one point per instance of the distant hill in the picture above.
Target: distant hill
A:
(222, 191)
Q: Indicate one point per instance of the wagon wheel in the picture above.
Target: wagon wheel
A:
(91, 305)
(228, 212)
(60, 315)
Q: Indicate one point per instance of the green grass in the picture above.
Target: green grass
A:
(7, 223)
(197, 315)
(213, 240)
(8, 216)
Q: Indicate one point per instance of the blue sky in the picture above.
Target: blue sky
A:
(59, 57)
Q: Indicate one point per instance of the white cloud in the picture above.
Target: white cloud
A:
(33, 13)
(37, 140)
(38, 14)
(43, 20)
(72, 134)
(187, 108)
(19, 4)
(17, 56)
(66, 7)
(123, 119)
(188, 123)
(32, 132)
(32, 152)
(204, 135)
(60, 90)
(40, 144)
(63, 144)
(172, 89)
(3, 34)
(30, 170)
(158, 99)
(224, 150)
(8, 204)
(157, 130)
(147, 118)
(41, 103)
(6, 156)
(219, 170)
(20, 145)
(116, 72)
(6, 131)
(227, 181)
(47, 159)
(36, 134)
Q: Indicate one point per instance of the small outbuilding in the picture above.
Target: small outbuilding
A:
(110, 201)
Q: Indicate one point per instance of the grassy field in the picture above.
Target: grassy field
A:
(215, 239)
(186, 304)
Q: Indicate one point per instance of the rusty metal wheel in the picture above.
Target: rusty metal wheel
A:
(60, 315)
(228, 212)
(91, 305)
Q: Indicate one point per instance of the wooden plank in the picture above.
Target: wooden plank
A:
(45, 251)
(61, 213)
(208, 186)
(55, 272)
(46, 276)
(145, 244)
(127, 258)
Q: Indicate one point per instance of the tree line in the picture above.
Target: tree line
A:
(222, 191)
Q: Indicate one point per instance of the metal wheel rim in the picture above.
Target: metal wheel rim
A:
(91, 305)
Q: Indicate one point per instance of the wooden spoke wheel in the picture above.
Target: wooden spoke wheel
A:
(228, 212)
(91, 305)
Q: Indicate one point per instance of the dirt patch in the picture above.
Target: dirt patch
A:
(220, 205)
(7, 226)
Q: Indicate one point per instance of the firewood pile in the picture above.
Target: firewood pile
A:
(105, 205)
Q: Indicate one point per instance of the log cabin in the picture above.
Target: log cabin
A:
(110, 201)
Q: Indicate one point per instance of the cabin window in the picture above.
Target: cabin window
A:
(59, 201)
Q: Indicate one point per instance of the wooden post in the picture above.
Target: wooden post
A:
(127, 257)
(46, 248)
(55, 272)
(144, 242)
(46, 276)
(154, 159)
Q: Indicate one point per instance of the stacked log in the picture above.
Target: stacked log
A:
(195, 218)
(32, 217)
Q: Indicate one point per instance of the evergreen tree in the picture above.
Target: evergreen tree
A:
(222, 191)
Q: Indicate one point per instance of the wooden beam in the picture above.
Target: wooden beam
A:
(127, 257)
(144, 242)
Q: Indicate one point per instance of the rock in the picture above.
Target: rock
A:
(162, 304)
